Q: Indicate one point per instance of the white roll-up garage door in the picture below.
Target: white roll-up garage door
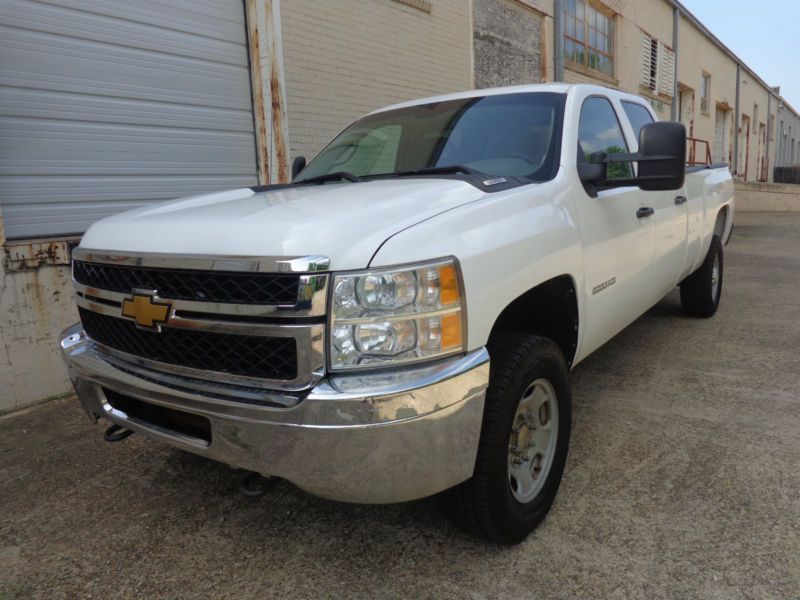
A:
(108, 105)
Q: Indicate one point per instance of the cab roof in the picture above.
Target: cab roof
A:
(558, 88)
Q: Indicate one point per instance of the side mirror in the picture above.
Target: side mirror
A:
(661, 158)
(298, 164)
(663, 162)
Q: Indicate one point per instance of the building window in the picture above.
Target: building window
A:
(589, 35)
(705, 93)
(658, 66)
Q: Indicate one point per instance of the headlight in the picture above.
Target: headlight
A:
(396, 315)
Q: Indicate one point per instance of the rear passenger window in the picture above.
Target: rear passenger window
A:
(638, 115)
(599, 131)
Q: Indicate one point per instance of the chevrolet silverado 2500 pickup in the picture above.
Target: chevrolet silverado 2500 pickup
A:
(401, 319)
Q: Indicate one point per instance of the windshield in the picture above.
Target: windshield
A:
(506, 135)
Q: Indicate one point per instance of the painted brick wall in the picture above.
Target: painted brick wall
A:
(346, 58)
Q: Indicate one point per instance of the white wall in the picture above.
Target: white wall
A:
(35, 306)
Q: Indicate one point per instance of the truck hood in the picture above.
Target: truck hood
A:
(346, 222)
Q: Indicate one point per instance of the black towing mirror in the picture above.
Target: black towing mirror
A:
(661, 158)
(663, 146)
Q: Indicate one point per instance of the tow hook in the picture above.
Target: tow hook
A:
(116, 433)
(255, 485)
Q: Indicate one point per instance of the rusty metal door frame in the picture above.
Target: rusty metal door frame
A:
(268, 84)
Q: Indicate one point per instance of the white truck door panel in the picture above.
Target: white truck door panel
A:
(618, 240)
(671, 224)
(618, 255)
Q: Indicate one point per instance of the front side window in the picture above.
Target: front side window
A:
(506, 135)
(638, 115)
(589, 35)
(599, 131)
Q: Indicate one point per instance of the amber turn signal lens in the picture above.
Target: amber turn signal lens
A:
(448, 280)
(451, 331)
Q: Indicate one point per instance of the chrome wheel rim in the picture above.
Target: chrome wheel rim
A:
(532, 443)
(715, 278)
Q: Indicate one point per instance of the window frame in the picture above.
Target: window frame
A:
(587, 48)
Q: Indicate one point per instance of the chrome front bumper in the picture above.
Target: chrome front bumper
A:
(390, 437)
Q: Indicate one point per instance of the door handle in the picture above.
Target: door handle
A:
(680, 199)
(645, 211)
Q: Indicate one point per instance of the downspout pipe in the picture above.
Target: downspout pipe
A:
(779, 145)
(558, 53)
(676, 18)
(736, 118)
(766, 149)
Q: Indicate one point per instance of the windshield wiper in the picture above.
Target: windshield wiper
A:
(338, 176)
(440, 170)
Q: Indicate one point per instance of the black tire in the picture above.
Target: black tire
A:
(485, 503)
(699, 296)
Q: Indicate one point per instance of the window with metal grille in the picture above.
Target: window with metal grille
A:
(589, 35)
(658, 66)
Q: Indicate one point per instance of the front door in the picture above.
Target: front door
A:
(618, 245)
(762, 142)
(720, 141)
(686, 109)
(744, 147)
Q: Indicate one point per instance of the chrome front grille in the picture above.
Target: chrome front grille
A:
(253, 322)
(250, 356)
(186, 284)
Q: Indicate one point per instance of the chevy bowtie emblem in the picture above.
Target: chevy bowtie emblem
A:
(143, 308)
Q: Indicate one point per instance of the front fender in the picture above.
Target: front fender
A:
(506, 244)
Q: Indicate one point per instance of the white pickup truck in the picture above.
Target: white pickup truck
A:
(401, 319)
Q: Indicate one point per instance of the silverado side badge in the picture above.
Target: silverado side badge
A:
(605, 285)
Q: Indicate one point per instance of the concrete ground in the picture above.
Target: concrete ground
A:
(683, 480)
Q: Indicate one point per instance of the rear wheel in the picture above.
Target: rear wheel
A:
(524, 441)
(702, 290)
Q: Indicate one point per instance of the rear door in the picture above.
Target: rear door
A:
(617, 239)
(671, 213)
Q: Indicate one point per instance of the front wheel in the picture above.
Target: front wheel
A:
(524, 441)
(702, 290)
